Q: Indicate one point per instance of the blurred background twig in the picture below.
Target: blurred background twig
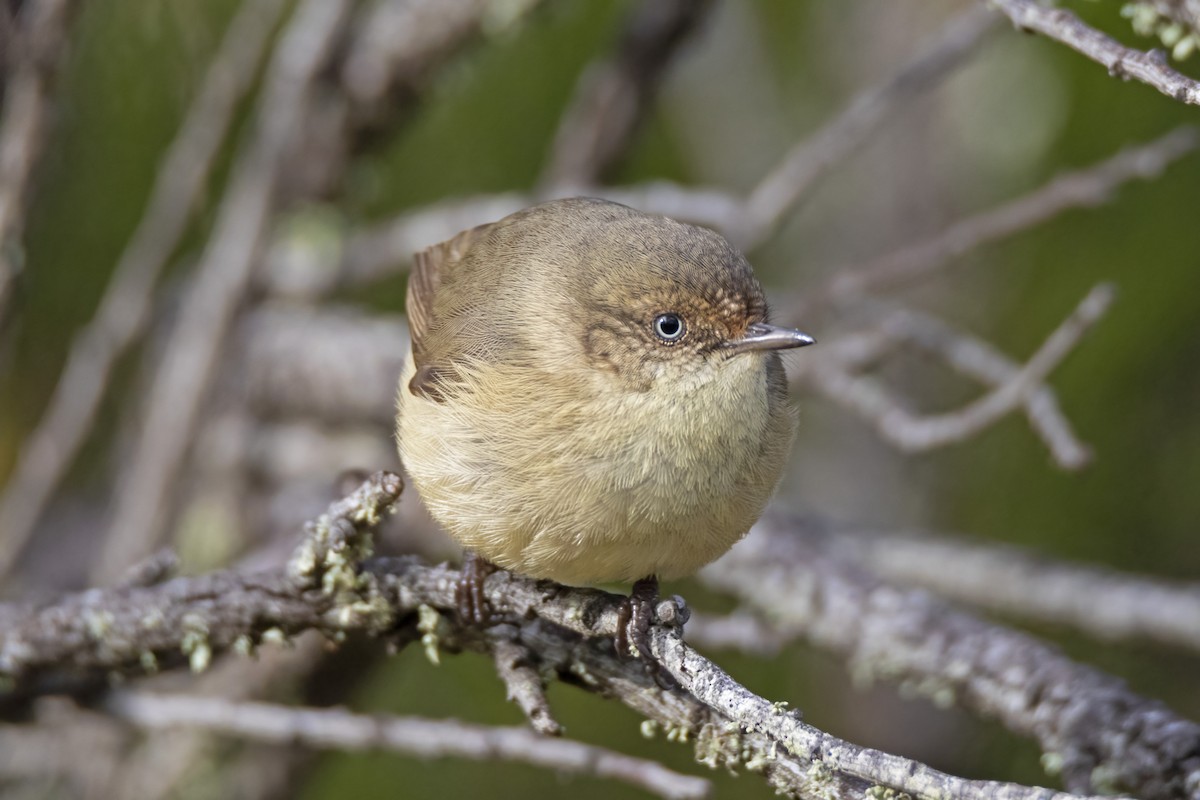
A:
(207, 214)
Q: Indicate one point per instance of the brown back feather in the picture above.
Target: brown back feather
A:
(429, 266)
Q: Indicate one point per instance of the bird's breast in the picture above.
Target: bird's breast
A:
(583, 483)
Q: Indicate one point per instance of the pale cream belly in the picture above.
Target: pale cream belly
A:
(589, 496)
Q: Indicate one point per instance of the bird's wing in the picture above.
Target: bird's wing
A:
(429, 267)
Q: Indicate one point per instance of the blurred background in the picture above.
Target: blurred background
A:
(311, 341)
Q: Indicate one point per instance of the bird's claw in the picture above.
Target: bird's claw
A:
(473, 607)
(634, 617)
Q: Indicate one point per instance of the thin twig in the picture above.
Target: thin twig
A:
(515, 666)
(792, 180)
(339, 729)
(1084, 188)
(188, 363)
(1120, 61)
(613, 95)
(913, 433)
(51, 448)
(38, 39)
(981, 361)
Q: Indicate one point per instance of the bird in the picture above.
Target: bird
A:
(593, 395)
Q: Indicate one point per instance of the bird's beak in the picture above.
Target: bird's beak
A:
(761, 336)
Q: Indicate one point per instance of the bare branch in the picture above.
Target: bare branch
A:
(1088, 187)
(222, 277)
(421, 738)
(1091, 727)
(789, 183)
(1120, 61)
(913, 433)
(51, 448)
(614, 94)
(38, 39)
(1104, 603)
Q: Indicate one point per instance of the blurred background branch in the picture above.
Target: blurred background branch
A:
(35, 39)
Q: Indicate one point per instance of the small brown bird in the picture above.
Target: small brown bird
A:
(593, 395)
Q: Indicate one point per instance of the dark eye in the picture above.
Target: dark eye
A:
(669, 327)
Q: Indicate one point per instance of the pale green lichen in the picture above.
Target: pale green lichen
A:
(149, 662)
(98, 623)
(944, 697)
(367, 611)
(275, 636)
(330, 556)
(583, 674)
(720, 746)
(677, 733)
(1147, 20)
(195, 644)
(199, 655)
(649, 728)
(1106, 779)
(1052, 762)
(428, 621)
(820, 782)
(757, 761)
(244, 645)
(878, 792)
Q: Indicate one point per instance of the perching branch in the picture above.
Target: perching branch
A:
(328, 587)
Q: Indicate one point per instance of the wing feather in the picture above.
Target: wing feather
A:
(428, 269)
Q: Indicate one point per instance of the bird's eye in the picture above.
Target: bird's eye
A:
(669, 327)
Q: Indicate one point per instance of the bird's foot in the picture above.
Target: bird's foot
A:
(634, 617)
(473, 607)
